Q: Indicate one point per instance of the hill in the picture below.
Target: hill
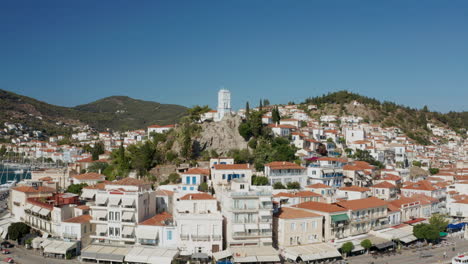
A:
(412, 121)
(115, 113)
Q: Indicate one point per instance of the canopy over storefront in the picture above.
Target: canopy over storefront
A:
(311, 252)
(151, 255)
(340, 217)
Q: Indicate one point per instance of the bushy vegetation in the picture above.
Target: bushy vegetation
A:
(76, 188)
(17, 230)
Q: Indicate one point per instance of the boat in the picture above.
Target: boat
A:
(460, 259)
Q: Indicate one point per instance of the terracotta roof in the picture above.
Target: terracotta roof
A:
(391, 177)
(83, 207)
(129, 181)
(424, 199)
(420, 185)
(297, 194)
(293, 213)
(29, 189)
(232, 166)
(162, 192)
(403, 200)
(79, 219)
(362, 203)
(157, 220)
(89, 176)
(284, 165)
(321, 207)
(318, 186)
(47, 178)
(200, 171)
(197, 196)
(354, 189)
(384, 184)
(98, 186)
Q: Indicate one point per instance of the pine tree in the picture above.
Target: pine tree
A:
(260, 106)
(275, 115)
(247, 110)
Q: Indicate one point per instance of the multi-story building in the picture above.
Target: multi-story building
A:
(366, 214)
(19, 195)
(335, 219)
(384, 190)
(327, 170)
(222, 174)
(424, 187)
(294, 226)
(159, 230)
(119, 207)
(410, 208)
(199, 224)
(285, 172)
(248, 215)
(192, 178)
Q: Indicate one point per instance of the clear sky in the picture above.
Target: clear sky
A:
(182, 52)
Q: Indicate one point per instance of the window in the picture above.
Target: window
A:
(117, 231)
(111, 215)
(169, 234)
(187, 179)
(184, 188)
(194, 180)
(111, 231)
(242, 186)
(84, 231)
(293, 226)
(243, 175)
(117, 216)
(191, 188)
(304, 226)
(224, 176)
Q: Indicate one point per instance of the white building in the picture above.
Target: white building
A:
(224, 104)
(224, 173)
(199, 224)
(119, 207)
(285, 172)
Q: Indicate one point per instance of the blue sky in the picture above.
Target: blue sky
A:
(74, 52)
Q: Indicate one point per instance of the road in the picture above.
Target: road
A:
(28, 256)
(410, 257)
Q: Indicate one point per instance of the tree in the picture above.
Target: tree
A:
(433, 171)
(98, 167)
(197, 111)
(174, 178)
(76, 188)
(275, 115)
(203, 187)
(97, 150)
(438, 221)
(17, 230)
(366, 244)
(3, 150)
(426, 232)
(266, 102)
(245, 131)
(347, 247)
(417, 163)
(259, 180)
(278, 185)
(322, 149)
(247, 110)
(260, 106)
(293, 185)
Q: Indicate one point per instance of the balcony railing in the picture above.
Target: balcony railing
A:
(216, 237)
(69, 236)
(184, 237)
(251, 234)
(200, 237)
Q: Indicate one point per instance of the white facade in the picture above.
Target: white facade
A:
(224, 104)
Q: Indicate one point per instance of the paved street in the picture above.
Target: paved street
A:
(25, 256)
(410, 257)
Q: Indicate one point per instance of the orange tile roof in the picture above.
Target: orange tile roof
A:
(47, 178)
(420, 185)
(232, 166)
(358, 204)
(89, 176)
(83, 207)
(197, 196)
(157, 220)
(391, 177)
(197, 171)
(403, 200)
(29, 189)
(79, 219)
(162, 192)
(98, 186)
(294, 213)
(321, 207)
(284, 165)
(384, 184)
(318, 186)
(129, 181)
(354, 189)
(297, 194)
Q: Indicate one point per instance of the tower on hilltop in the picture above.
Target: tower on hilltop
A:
(224, 104)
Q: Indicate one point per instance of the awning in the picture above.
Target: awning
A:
(340, 217)
(28, 206)
(255, 254)
(384, 245)
(101, 199)
(45, 235)
(238, 228)
(199, 255)
(88, 194)
(310, 252)
(150, 255)
(273, 258)
(127, 230)
(59, 247)
(443, 234)
(36, 242)
(222, 254)
(45, 243)
(127, 216)
(114, 200)
(264, 213)
(99, 214)
(146, 233)
(44, 212)
(36, 209)
(251, 226)
(408, 239)
(127, 201)
(101, 229)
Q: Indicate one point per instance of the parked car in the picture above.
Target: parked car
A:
(9, 260)
(6, 251)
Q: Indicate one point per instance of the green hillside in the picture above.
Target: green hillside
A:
(116, 113)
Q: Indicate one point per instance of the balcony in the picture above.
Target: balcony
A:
(70, 236)
(184, 237)
(200, 237)
(244, 209)
(251, 234)
(216, 237)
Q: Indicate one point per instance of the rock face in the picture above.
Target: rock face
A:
(221, 136)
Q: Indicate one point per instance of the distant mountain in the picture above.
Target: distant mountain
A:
(412, 121)
(115, 113)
